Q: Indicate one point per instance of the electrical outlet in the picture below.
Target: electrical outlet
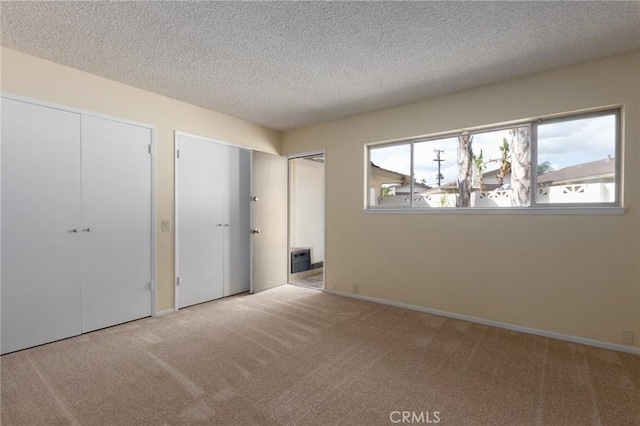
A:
(166, 227)
(627, 337)
(356, 288)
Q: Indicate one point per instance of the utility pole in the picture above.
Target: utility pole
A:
(439, 160)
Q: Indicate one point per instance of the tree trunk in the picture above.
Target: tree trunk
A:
(521, 167)
(465, 162)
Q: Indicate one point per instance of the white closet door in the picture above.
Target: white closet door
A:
(202, 197)
(237, 237)
(41, 279)
(116, 205)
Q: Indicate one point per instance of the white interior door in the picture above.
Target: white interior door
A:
(269, 221)
(202, 197)
(41, 278)
(116, 230)
(236, 239)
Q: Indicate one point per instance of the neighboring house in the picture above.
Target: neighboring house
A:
(383, 178)
(601, 171)
(446, 195)
(418, 188)
(490, 182)
(392, 188)
(582, 183)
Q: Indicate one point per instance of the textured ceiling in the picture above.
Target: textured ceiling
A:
(290, 64)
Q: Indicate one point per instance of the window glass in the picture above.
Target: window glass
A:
(576, 161)
(492, 162)
(572, 160)
(390, 175)
(436, 172)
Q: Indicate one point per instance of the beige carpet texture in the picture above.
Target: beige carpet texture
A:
(296, 356)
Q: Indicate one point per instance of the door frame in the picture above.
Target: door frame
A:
(176, 209)
(153, 159)
(294, 156)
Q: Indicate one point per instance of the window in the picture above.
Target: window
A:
(577, 160)
(564, 162)
(390, 178)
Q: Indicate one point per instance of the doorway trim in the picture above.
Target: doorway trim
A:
(294, 156)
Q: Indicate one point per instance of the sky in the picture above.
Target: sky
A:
(563, 144)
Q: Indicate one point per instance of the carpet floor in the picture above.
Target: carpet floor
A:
(296, 356)
(314, 281)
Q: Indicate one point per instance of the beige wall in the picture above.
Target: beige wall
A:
(577, 275)
(36, 78)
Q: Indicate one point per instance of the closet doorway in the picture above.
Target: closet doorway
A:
(307, 220)
(77, 222)
(231, 220)
(212, 220)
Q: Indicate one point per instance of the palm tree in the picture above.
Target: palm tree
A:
(545, 167)
(520, 166)
(465, 161)
(480, 167)
(505, 161)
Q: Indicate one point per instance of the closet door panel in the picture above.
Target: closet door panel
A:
(202, 194)
(116, 182)
(237, 241)
(41, 279)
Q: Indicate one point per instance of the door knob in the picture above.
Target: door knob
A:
(87, 230)
(254, 198)
(226, 225)
(255, 231)
(218, 224)
(74, 230)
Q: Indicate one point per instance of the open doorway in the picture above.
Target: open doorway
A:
(307, 220)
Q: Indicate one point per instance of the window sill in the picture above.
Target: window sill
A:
(560, 211)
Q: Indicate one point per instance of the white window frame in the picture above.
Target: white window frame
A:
(604, 208)
(411, 171)
(534, 154)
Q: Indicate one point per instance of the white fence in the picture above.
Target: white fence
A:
(561, 194)
(580, 193)
(428, 200)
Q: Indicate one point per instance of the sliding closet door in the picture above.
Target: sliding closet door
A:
(116, 206)
(41, 279)
(202, 198)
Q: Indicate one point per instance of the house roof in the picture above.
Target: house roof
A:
(594, 169)
(454, 184)
(417, 188)
(289, 64)
(396, 177)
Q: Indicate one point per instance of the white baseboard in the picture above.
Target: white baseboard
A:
(551, 334)
(165, 312)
